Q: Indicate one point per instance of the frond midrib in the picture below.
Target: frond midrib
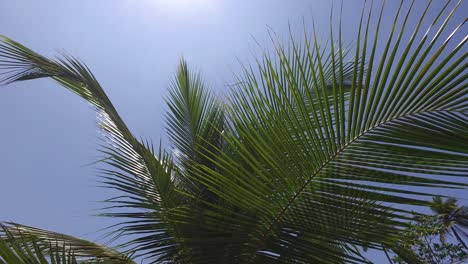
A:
(281, 213)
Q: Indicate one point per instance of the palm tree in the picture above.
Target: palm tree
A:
(318, 152)
(452, 217)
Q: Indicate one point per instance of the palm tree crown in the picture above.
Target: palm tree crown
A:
(453, 218)
(318, 151)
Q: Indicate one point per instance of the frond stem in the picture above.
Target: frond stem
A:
(294, 197)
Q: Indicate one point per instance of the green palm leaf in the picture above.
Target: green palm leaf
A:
(143, 175)
(404, 125)
(195, 124)
(319, 151)
(24, 244)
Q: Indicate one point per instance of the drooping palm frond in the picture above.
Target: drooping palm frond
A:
(143, 175)
(15, 251)
(23, 244)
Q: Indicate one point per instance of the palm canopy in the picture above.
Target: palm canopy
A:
(318, 151)
(452, 217)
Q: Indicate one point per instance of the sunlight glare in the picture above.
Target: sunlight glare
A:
(186, 7)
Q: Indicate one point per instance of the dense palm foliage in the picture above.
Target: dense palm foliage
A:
(318, 151)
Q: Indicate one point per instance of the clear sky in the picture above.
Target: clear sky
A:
(48, 135)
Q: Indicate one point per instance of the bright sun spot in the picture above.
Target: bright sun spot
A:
(186, 7)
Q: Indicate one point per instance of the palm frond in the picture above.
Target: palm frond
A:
(402, 128)
(195, 123)
(320, 151)
(146, 179)
(23, 244)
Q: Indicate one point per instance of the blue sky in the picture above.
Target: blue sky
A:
(49, 136)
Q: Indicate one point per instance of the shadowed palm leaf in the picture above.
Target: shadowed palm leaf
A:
(318, 151)
(24, 244)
